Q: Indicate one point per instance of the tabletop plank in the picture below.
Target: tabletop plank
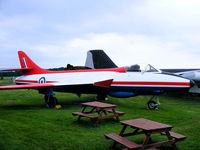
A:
(99, 104)
(145, 124)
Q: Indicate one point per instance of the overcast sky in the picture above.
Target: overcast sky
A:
(164, 33)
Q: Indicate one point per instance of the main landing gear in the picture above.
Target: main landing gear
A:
(152, 105)
(101, 97)
(51, 101)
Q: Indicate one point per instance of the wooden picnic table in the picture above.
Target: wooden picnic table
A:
(102, 111)
(147, 128)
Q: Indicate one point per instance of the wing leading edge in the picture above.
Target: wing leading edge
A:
(104, 83)
(25, 86)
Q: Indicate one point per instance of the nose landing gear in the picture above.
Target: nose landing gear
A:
(152, 105)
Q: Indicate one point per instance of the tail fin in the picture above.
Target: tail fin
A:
(97, 59)
(28, 66)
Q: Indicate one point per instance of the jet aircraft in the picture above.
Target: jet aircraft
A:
(117, 82)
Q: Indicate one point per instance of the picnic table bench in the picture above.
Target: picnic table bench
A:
(147, 128)
(102, 111)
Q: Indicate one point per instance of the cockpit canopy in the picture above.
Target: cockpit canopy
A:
(137, 68)
(133, 68)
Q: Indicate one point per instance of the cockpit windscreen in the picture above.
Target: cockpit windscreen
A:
(137, 68)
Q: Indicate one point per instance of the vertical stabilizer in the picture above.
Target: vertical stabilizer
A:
(28, 66)
(97, 59)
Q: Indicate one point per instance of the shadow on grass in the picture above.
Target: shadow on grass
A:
(22, 107)
(77, 102)
(86, 122)
(64, 104)
(119, 147)
(166, 148)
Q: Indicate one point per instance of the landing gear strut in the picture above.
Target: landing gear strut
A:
(152, 105)
(101, 97)
(51, 101)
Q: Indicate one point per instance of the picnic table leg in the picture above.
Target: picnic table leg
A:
(92, 110)
(105, 113)
(114, 145)
(79, 117)
(147, 138)
(99, 116)
(84, 107)
(123, 130)
(114, 112)
(170, 138)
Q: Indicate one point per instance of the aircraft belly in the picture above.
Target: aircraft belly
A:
(85, 89)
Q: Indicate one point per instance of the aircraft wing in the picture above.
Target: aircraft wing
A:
(103, 84)
(178, 70)
(25, 86)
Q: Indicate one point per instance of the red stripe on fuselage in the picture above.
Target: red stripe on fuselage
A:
(120, 70)
(33, 81)
(151, 83)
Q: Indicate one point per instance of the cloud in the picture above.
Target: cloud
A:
(165, 33)
(167, 17)
(125, 50)
(130, 49)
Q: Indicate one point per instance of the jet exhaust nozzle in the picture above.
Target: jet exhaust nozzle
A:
(192, 83)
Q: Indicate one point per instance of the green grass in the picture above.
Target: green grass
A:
(25, 122)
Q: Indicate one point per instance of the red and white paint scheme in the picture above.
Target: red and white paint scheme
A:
(116, 82)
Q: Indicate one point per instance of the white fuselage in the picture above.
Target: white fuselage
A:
(127, 81)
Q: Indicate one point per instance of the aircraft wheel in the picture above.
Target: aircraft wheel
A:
(152, 105)
(50, 101)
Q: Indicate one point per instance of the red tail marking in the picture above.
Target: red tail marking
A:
(26, 62)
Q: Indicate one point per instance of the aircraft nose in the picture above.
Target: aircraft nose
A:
(192, 83)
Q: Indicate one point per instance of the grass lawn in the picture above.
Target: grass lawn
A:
(25, 122)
